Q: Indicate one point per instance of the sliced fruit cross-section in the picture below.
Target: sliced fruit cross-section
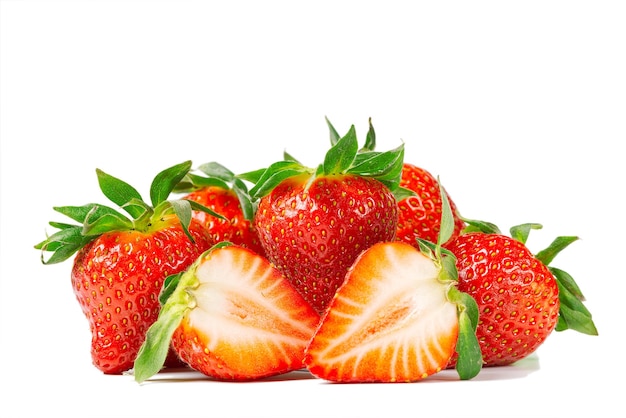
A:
(231, 316)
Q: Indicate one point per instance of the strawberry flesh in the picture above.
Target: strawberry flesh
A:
(232, 316)
(389, 322)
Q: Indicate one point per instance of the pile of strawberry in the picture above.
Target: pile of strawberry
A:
(359, 270)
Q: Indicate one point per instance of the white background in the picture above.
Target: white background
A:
(519, 107)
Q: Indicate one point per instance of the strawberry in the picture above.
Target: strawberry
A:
(420, 214)
(521, 299)
(231, 316)
(221, 191)
(398, 317)
(121, 263)
(419, 200)
(314, 223)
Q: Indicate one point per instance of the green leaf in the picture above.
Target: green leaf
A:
(288, 157)
(165, 182)
(567, 281)
(334, 135)
(118, 191)
(97, 225)
(274, 175)
(216, 175)
(153, 351)
(80, 213)
(169, 285)
(577, 321)
(254, 176)
(446, 228)
(572, 312)
(182, 209)
(247, 207)
(218, 171)
(561, 325)
(140, 209)
(470, 360)
(343, 157)
(559, 244)
(429, 249)
(340, 156)
(63, 244)
(378, 164)
(193, 182)
(385, 167)
(474, 225)
(392, 176)
(370, 139)
(449, 271)
(59, 225)
(186, 185)
(521, 232)
(179, 301)
(401, 193)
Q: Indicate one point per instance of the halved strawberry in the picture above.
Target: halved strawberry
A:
(231, 316)
(398, 317)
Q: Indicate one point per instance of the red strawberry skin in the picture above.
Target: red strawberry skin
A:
(517, 295)
(117, 279)
(247, 321)
(235, 227)
(419, 216)
(314, 232)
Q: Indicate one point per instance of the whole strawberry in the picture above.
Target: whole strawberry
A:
(314, 223)
(221, 191)
(520, 299)
(121, 263)
(419, 215)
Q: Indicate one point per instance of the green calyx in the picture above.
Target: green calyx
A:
(344, 157)
(96, 219)
(470, 360)
(573, 314)
(214, 174)
(368, 147)
(176, 300)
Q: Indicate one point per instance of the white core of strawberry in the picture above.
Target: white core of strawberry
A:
(237, 298)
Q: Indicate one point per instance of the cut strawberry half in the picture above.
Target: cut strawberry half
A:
(398, 317)
(230, 316)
